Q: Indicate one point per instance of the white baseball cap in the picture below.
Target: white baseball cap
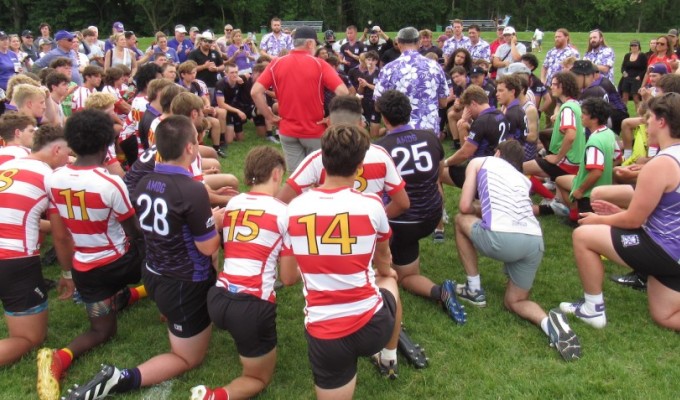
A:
(509, 30)
(180, 28)
(207, 35)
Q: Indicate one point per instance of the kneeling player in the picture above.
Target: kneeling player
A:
(243, 301)
(417, 154)
(96, 235)
(23, 197)
(180, 236)
(509, 232)
(335, 232)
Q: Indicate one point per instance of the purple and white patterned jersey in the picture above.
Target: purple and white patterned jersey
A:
(452, 44)
(603, 55)
(481, 50)
(663, 224)
(273, 45)
(553, 61)
(422, 80)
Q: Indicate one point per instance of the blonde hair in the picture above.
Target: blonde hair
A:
(100, 101)
(19, 80)
(24, 92)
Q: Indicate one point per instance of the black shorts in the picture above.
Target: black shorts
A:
(22, 286)
(334, 361)
(457, 174)
(250, 321)
(405, 239)
(103, 282)
(641, 253)
(183, 303)
(553, 170)
(630, 86)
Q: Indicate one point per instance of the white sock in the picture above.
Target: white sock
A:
(592, 300)
(544, 325)
(474, 282)
(627, 153)
(387, 355)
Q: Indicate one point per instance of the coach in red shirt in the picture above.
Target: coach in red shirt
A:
(299, 80)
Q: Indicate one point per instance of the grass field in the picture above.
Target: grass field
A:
(495, 355)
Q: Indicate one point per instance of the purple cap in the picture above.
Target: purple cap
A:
(118, 26)
(658, 68)
(63, 35)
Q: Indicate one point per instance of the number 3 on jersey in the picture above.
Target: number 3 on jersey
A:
(337, 232)
(6, 178)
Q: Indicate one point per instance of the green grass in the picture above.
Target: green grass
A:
(495, 355)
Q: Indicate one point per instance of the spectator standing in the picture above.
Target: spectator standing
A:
(351, 50)
(426, 45)
(27, 45)
(555, 56)
(456, 41)
(44, 29)
(63, 49)
(300, 103)
(419, 78)
(538, 37)
(509, 52)
(274, 42)
(241, 53)
(633, 70)
(209, 61)
(182, 45)
(479, 49)
(600, 54)
(9, 62)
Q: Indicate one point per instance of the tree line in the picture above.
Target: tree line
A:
(147, 16)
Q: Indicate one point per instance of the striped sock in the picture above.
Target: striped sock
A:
(66, 357)
(137, 293)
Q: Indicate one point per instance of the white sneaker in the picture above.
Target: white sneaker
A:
(559, 208)
(597, 319)
(550, 185)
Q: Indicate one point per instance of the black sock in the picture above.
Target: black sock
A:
(545, 210)
(216, 147)
(130, 379)
(436, 292)
(270, 133)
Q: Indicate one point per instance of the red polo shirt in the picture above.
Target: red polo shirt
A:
(298, 79)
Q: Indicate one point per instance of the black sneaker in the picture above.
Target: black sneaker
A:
(633, 280)
(98, 387)
(221, 153)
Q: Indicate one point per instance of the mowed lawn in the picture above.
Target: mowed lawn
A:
(495, 355)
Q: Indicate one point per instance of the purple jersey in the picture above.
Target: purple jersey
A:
(663, 224)
(174, 212)
(417, 155)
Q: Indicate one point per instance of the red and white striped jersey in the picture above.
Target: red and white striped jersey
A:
(80, 97)
(13, 151)
(377, 175)
(333, 235)
(254, 225)
(119, 98)
(132, 121)
(23, 200)
(92, 204)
